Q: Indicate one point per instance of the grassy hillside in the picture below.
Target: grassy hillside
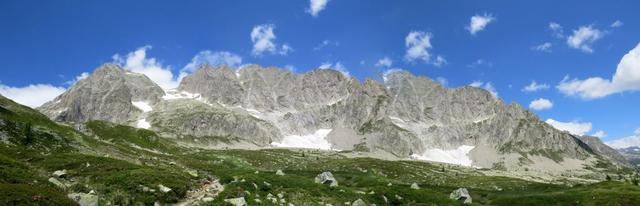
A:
(129, 166)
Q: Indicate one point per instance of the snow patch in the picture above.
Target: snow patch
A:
(316, 140)
(142, 123)
(457, 156)
(175, 94)
(144, 106)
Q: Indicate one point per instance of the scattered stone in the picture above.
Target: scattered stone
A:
(280, 195)
(389, 184)
(163, 188)
(57, 183)
(266, 184)
(398, 197)
(462, 195)
(147, 189)
(257, 200)
(60, 173)
(360, 192)
(193, 173)
(84, 199)
(358, 202)
(92, 192)
(372, 192)
(207, 199)
(256, 172)
(254, 185)
(280, 173)
(237, 201)
(415, 186)
(385, 199)
(327, 179)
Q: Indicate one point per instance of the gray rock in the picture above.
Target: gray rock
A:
(163, 188)
(60, 173)
(415, 186)
(280, 173)
(237, 201)
(462, 195)
(84, 199)
(326, 178)
(57, 183)
(358, 202)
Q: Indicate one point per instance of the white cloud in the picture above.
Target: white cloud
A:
(480, 62)
(616, 24)
(213, 58)
(315, 6)
(33, 95)
(384, 62)
(599, 134)
(544, 47)
(556, 30)
(337, 66)
(82, 76)
(443, 81)
(574, 127)
(630, 141)
(263, 39)
(439, 61)
(626, 78)
(534, 86)
(418, 44)
(584, 37)
(487, 86)
(138, 62)
(540, 104)
(326, 43)
(479, 22)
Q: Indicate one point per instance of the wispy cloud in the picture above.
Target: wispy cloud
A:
(479, 22)
(540, 104)
(32, 95)
(418, 44)
(486, 86)
(384, 62)
(584, 37)
(616, 24)
(544, 47)
(534, 86)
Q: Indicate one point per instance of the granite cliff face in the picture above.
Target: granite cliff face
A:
(403, 115)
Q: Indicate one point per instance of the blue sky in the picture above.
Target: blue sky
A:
(45, 45)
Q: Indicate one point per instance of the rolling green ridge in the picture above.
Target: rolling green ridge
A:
(126, 166)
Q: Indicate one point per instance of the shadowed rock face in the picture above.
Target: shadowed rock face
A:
(401, 115)
(105, 95)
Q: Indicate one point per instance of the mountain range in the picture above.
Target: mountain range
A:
(403, 116)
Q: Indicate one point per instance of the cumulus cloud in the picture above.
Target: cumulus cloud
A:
(82, 76)
(534, 86)
(384, 62)
(418, 44)
(487, 86)
(212, 58)
(540, 104)
(315, 6)
(584, 37)
(630, 141)
(626, 78)
(479, 22)
(556, 30)
(600, 134)
(263, 40)
(32, 95)
(616, 24)
(544, 47)
(574, 127)
(337, 66)
(138, 62)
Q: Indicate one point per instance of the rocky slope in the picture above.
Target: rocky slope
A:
(402, 116)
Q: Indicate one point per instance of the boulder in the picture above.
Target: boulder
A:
(327, 179)
(84, 199)
(279, 172)
(163, 188)
(462, 195)
(57, 183)
(358, 202)
(237, 201)
(415, 186)
(60, 173)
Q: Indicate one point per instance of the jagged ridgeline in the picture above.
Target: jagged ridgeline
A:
(401, 116)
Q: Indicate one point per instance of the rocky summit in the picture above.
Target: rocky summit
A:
(402, 116)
